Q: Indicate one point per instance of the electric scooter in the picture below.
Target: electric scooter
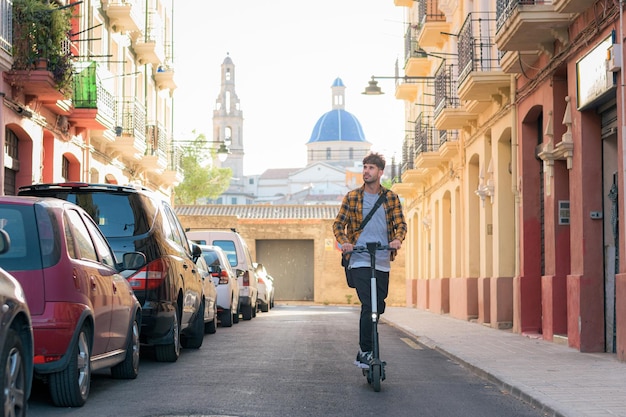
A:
(376, 372)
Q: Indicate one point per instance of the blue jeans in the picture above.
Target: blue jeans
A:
(362, 277)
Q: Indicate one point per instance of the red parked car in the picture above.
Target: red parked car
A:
(85, 315)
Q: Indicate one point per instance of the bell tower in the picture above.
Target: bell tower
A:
(228, 128)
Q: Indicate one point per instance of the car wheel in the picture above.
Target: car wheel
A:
(171, 351)
(13, 376)
(246, 312)
(236, 316)
(272, 302)
(70, 387)
(265, 307)
(226, 318)
(211, 327)
(196, 337)
(129, 368)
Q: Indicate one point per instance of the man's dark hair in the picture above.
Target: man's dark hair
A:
(375, 158)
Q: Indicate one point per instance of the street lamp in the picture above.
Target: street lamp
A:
(222, 150)
(374, 90)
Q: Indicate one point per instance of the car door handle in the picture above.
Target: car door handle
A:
(93, 282)
(114, 288)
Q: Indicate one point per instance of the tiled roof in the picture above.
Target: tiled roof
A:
(259, 211)
(278, 173)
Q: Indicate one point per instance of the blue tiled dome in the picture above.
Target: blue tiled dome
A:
(337, 124)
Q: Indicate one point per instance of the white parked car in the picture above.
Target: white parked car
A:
(266, 288)
(225, 283)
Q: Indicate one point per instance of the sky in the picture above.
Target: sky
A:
(286, 55)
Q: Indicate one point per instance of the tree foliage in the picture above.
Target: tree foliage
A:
(203, 180)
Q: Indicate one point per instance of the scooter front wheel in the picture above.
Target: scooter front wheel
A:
(376, 377)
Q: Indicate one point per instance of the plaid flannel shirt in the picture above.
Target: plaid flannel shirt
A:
(350, 216)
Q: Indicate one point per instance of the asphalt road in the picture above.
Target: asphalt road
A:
(293, 361)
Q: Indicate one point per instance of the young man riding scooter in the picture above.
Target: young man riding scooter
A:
(385, 225)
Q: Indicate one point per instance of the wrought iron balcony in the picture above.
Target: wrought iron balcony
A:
(480, 75)
(150, 45)
(449, 114)
(173, 173)
(164, 75)
(130, 132)
(155, 158)
(530, 25)
(432, 22)
(416, 61)
(94, 105)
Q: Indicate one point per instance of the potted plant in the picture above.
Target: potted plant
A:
(41, 38)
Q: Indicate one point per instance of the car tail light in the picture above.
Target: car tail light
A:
(149, 277)
(246, 279)
(41, 359)
(223, 277)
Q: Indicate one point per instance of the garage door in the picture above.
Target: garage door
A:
(290, 263)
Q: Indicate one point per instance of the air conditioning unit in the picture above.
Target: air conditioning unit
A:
(614, 57)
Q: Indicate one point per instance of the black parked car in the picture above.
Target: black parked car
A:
(169, 286)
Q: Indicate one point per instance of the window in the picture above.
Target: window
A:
(104, 251)
(82, 240)
(228, 246)
(65, 168)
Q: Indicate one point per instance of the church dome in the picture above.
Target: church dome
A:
(337, 124)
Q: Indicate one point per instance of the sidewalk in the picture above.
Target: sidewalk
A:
(555, 378)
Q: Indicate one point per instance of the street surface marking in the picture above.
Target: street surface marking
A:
(411, 343)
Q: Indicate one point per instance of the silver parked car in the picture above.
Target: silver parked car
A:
(226, 283)
(210, 294)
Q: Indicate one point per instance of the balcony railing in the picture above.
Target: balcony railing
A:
(429, 12)
(6, 25)
(89, 92)
(446, 96)
(477, 49)
(506, 8)
(411, 48)
(150, 45)
(132, 118)
(156, 140)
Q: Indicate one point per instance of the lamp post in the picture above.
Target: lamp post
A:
(222, 150)
(374, 90)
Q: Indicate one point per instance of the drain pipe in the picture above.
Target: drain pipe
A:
(514, 179)
(623, 108)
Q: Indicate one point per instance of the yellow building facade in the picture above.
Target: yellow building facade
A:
(457, 174)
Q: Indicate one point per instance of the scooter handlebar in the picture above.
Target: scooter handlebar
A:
(370, 247)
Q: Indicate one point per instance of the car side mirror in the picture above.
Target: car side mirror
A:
(196, 252)
(133, 260)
